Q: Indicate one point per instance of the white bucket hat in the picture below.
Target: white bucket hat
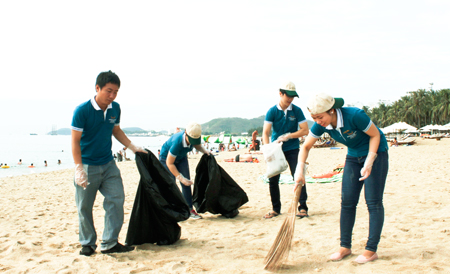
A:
(322, 102)
(194, 133)
(289, 89)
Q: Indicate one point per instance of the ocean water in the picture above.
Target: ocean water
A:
(39, 148)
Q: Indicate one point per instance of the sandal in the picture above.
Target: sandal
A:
(271, 215)
(302, 213)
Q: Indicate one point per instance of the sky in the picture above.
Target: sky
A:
(183, 61)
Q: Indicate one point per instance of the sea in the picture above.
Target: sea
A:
(35, 149)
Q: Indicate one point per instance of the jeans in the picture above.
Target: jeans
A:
(183, 167)
(106, 179)
(292, 159)
(373, 193)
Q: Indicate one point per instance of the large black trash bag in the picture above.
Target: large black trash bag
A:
(215, 191)
(158, 205)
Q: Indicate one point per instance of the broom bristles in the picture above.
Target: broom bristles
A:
(279, 251)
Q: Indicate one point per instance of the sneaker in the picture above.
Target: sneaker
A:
(87, 251)
(118, 248)
(194, 215)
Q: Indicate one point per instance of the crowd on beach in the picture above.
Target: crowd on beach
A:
(366, 166)
(19, 163)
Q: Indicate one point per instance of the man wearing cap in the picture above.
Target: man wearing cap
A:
(366, 164)
(174, 157)
(288, 124)
(93, 124)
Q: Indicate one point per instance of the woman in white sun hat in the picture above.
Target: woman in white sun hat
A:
(366, 164)
(173, 156)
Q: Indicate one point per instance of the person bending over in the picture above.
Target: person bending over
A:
(366, 165)
(173, 156)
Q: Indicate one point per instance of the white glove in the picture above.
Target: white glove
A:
(299, 175)
(81, 176)
(284, 138)
(368, 163)
(135, 148)
(184, 181)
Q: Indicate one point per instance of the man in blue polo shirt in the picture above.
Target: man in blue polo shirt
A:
(285, 119)
(93, 124)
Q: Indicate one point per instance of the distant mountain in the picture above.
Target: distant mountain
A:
(232, 125)
(228, 125)
(235, 125)
(130, 130)
(62, 131)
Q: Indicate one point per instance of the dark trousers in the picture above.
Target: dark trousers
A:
(292, 159)
(183, 167)
(373, 193)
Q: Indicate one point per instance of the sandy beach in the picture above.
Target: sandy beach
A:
(39, 222)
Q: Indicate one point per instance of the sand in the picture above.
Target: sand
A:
(39, 222)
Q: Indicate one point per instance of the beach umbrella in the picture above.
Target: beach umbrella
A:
(411, 130)
(442, 128)
(447, 126)
(431, 128)
(386, 130)
(399, 127)
(227, 139)
(427, 128)
(206, 138)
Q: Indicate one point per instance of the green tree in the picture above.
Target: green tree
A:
(417, 108)
(443, 106)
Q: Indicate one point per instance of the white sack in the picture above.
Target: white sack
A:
(274, 157)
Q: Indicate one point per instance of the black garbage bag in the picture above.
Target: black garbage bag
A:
(215, 191)
(158, 205)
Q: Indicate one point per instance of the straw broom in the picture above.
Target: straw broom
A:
(279, 251)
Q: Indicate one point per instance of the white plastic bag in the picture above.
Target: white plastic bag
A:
(274, 157)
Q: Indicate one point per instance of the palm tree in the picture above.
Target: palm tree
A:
(443, 106)
(418, 108)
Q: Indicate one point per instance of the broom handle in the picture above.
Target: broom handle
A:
(298, 191)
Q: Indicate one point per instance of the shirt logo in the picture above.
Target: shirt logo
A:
(292, 118)
(350, 135)
(112, 120)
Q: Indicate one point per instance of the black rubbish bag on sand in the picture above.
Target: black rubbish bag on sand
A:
(215, 191)
(158, 205)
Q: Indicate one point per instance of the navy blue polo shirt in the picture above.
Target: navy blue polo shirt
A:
(176, 145)
(96, 126)
(285, 121)
(352, 123)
